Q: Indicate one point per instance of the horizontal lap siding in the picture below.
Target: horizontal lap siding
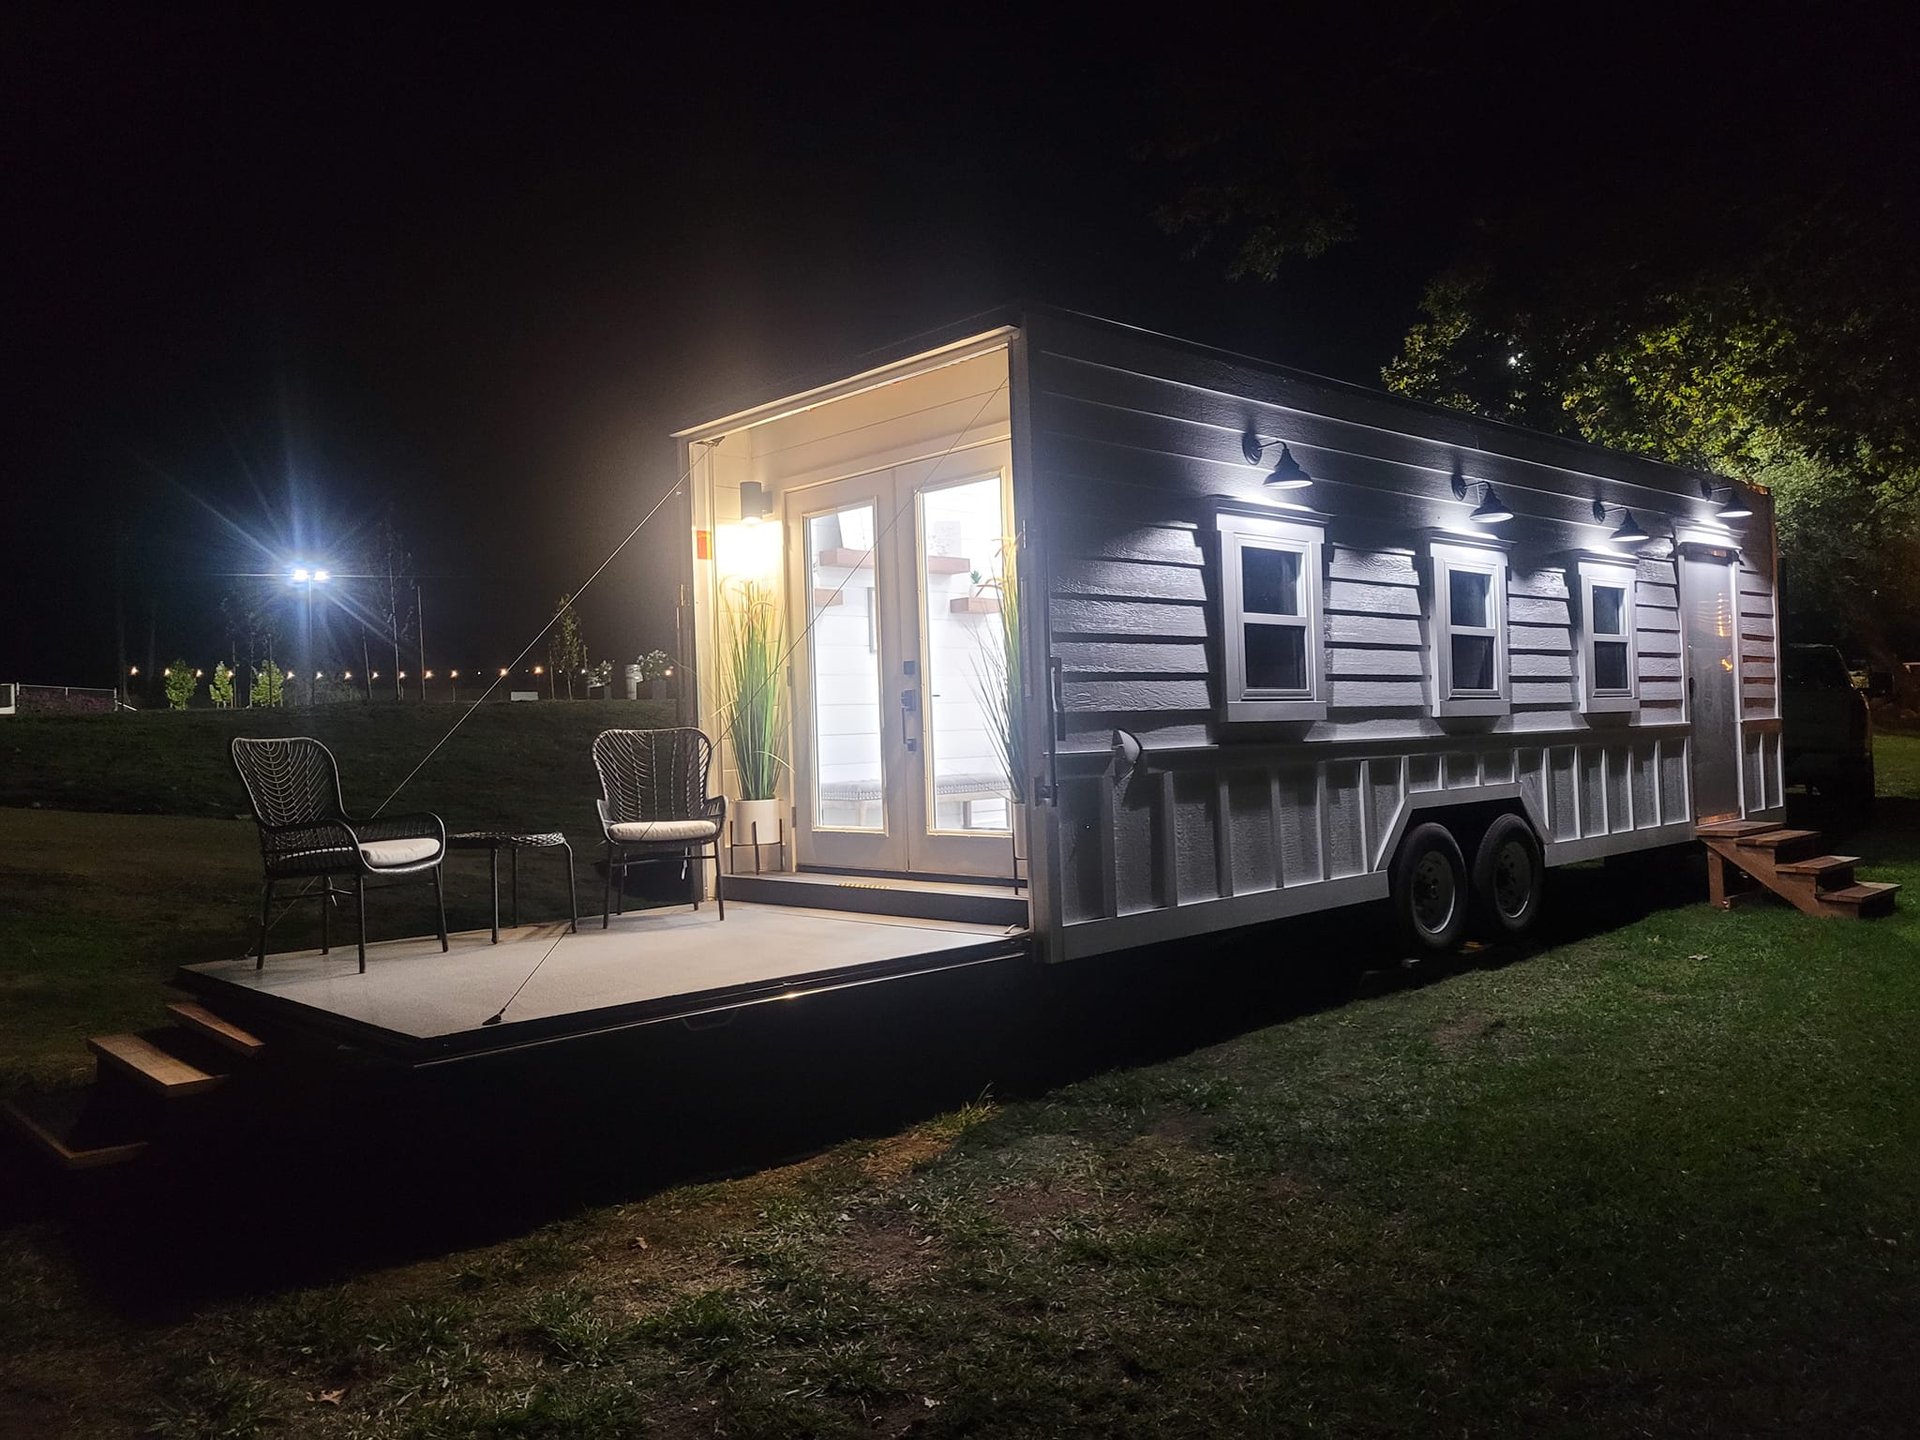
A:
(1656, 619)
(1129, 466)
(1759, 641)
(1375, 643)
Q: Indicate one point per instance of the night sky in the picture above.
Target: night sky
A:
(271, 272)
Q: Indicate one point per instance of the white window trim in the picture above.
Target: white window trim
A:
(1622, 576)
(1480, 560)
(1238, 532)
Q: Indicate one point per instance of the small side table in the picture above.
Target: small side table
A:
(513, 842)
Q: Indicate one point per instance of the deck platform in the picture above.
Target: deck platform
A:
(419, 1005)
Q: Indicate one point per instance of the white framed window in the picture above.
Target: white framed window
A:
(1467, 627)
(1270, 591)
(1609, 659)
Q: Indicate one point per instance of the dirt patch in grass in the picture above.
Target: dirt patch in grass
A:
(1464, 1030)
(1180, 1130)
(886, 1251)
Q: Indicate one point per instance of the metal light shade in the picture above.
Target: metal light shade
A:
(1630, 532)
(755, 503)
(1491, 510)
(1736, 508)
(1287, 474)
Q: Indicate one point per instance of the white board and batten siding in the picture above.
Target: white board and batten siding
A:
(1130, 444)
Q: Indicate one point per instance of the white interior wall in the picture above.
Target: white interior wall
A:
(917, 416)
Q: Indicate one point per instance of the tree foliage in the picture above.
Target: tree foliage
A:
(220, 687)
(566, 650)
(1679, 265)
(182, 682)
(269, 684)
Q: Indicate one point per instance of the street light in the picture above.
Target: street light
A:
(306, 577)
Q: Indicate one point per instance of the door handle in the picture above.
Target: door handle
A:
(909, 709)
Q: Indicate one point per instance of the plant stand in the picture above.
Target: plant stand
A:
(1017, 825)
(756, 844)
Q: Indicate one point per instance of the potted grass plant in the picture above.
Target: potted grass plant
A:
(997, 682)
(754, 697)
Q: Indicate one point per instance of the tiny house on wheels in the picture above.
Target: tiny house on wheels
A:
(1052, 638)
(1180, 641)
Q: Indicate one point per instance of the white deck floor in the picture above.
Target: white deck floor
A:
(412, 989)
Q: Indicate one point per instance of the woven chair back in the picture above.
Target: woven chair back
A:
(653, 774)
(289, 782)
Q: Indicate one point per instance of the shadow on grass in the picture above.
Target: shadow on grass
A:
(317, 1173)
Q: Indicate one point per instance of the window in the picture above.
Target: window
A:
(1608, 673)
(1469, 630)
(1270, 601)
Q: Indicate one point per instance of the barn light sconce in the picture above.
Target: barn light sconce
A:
(1491, 510)
(1734, 507)
(755, 503)
(1287, 474)
(1629, 532)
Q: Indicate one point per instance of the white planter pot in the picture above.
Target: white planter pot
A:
(750, 813)
(1019, 823)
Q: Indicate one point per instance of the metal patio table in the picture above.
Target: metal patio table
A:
(513, 842)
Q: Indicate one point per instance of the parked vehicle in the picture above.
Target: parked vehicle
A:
(1826, 726)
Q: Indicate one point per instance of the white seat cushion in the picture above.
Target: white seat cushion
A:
(636, 832)
(381, 854)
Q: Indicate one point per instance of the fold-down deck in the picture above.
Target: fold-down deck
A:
(418, 1005)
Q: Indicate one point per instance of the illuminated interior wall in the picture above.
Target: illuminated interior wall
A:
(912, 413)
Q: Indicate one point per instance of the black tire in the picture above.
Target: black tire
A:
(1429, 891)
(1509, 879)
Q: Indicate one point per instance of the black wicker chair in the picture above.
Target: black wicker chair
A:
(655, 806)
(306, 833)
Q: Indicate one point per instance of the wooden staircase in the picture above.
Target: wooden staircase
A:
(1746, 856)
(145, 1086)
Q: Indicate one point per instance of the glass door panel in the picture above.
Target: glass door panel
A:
(961, 546)
(844, 660)
(848, 761)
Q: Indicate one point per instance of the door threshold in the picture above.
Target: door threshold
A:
(967, 900)
(913, 878)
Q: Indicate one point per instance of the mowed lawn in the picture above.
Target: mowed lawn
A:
(1658, 1178)
(121, 856)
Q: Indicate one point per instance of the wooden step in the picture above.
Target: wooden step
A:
(78, 1129)
(223, 1033)
(151, 1067)
(1828, 872)
(1780, 846)
(1867, 900)
(1734, 829)
(1774, 838)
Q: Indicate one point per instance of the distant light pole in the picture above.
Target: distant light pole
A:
(306, 578)
(420, 628)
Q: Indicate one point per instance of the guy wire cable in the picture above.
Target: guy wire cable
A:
(460, 720)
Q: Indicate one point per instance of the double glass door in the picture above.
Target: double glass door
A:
(900, 686)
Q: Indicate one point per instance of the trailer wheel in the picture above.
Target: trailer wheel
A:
(1508, 877)
(1430, 888)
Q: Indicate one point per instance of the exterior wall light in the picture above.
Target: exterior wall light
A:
(1491, 510)
(755, 503)
(1734, 507)
(1287, 474)
(1629, 532)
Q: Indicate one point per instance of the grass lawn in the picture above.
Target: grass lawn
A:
(1657, 1177)
(135, 862)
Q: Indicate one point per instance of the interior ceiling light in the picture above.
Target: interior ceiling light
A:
(1287, 474)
